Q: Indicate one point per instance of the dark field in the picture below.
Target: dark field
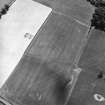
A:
(3, 2)
(94, 52)
(92, 78)
(88, 84)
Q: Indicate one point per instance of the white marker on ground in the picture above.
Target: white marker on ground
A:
(99, 97)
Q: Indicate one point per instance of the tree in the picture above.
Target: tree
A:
(97, 3)
(98, 19)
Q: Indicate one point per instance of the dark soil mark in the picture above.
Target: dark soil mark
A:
(100, 75)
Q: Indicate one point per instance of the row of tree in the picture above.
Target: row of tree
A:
(98, 17)
(4, 10)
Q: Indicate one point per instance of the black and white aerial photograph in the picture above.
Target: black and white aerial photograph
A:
(52, 52)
